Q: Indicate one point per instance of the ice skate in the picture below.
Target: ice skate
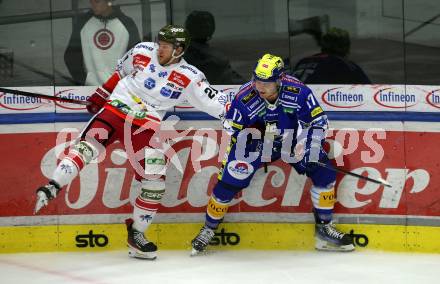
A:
(46, 193)
(328, 238)
(201, 241)
(138, 245)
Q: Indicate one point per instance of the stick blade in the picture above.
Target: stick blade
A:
(384, 182)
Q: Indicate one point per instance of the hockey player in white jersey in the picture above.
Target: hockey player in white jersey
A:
(150, 79)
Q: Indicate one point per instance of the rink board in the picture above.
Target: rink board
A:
(232, 236)
(396, 139)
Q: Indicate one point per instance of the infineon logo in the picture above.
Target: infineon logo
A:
(433, 98)
(20, 103)
(341, 99)
(394, 98)
(70, 94)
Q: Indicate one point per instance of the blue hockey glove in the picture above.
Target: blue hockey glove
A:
(311, 156)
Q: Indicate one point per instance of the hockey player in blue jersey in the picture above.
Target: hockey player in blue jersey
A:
(269, 117)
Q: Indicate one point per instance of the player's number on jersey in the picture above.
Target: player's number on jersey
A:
(211, 92)
(311, 103)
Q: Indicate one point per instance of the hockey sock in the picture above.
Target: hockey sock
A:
(65, 172)
(70, 166)
(215, 211)
(147, 203)
(323, 200)
(219, 203)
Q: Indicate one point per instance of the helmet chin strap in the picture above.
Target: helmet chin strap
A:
(173, 57)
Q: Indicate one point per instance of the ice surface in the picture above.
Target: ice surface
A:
(221, 267)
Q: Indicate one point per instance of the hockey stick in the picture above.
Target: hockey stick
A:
(47, 97)
(337, 169)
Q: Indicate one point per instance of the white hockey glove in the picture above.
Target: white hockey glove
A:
(44, 194)
(227, 126)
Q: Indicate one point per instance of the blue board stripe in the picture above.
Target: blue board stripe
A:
(349, 116)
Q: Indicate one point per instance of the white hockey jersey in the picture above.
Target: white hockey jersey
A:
(149, 89)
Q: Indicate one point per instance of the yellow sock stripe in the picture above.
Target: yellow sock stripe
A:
(323, 198)
(216, 209)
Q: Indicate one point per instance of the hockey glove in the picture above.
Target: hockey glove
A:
(97, 100)
(44, 194)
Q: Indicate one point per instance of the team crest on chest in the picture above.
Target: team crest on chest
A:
(149, 83)
(103, 39)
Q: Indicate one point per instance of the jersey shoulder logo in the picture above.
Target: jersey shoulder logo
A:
(144, 46)
(140, 60)
(291, 89)
(247, 98)
(189, 68)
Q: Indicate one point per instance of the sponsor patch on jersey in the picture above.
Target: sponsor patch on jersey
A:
(254, 105)
(149, 83)
(163, 74)
(316, 111)
(175, 95)
(240, 169)
(174, 86)
(272, 132)
(248, 97)
(168, 93)
(292, 89)
(152, 68)
(179, 79)
(289, 98)
(140, 60)
(262, 113)
(288, 110)
(165, 92)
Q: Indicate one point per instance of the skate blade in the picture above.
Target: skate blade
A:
(132, 252)
(195, 252)
(322, 245)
